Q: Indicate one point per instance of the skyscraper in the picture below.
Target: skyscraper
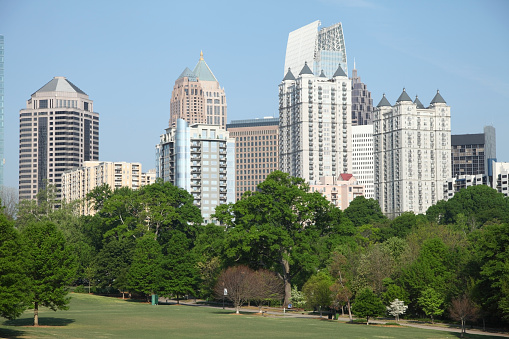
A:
(58, 130)
(315, 120)
(200, 159)
(473, 153)
(362, 158)
(197, 97)
(256, 151)
(323, 49)
(362, 103)
(2, 159)
(412, 151)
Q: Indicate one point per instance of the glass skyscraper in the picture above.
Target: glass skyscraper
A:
(322, 49)
(2, 160)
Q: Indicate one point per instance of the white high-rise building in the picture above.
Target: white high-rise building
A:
(362, 158)
(315, 124)
(412, 147)
(322, 49)
(200, 159)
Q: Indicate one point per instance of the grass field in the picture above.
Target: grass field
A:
(92, 316)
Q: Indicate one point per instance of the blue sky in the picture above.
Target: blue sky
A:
(126, 56)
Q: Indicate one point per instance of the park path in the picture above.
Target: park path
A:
(291, 314)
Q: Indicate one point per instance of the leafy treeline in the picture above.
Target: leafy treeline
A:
(151, 241)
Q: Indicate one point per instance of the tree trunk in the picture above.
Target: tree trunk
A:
(463, 329)
(320, 307)
(432, 319)
(342, 310)
(237, 309)
(367, 320)
(286, 279)
(178, 300)
(349, 310)
(36, 314)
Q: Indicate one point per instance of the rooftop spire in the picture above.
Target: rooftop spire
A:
(354, 63)
(201, 55)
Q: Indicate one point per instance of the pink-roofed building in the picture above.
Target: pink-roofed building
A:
(338, 190)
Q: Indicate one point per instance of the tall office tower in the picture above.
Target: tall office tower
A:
(2, 159)
(197, 97)
(58, 130)
(256, 151)
(200, 159)
(362, 158)
(315, 118)
(78, 182)
(362, 103)
(322, 49)
(473, 153)
(412, 154)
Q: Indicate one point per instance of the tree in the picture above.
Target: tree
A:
(236, 284)
(367, 304)
(341, 291)
(146, 272)
(278, 227)
(9, 201)
(396, 308)
(463, 309)
(51, 266)
(179, 265)
(267, 285)
(317, 291)
(431, 303)
(13, 280)
(113, 262)
(362, 211)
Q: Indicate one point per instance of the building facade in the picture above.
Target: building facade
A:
(2, 149)
(322, 49)
(200, 159)
(472, 154)
(339, 190)
(78, 182)
(363, 168)
(315, 118)
(197, 97)
(362, 103)
(58, 131)
(454, 184)
(411, 154)
(256, 151)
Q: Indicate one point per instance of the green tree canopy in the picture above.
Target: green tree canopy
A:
(278, 227)
(146, 271)
(13, 280)
(367, 304)
(51, 266)
(362, 211)
(317, 291)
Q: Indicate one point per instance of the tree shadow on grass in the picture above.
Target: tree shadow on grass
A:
(43, 321)
(11, 334)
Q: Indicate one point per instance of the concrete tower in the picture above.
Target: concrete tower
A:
(58, 131)
(197, 97)
(315, 124)
(412, 151)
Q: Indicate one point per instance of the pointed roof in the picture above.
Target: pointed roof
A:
(60, 84)
(322, 74)
(289, 75)
(418, 103)
(346, 176)
(438, 99)
(339, 72)
(404, 96)
(306, 69)
(202, 70)
(384, 102)
(187, 73)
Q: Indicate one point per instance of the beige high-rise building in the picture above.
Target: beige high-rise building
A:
(197, 97)
(58, 130)
(256, 151)
(78, 182)
(412, 153)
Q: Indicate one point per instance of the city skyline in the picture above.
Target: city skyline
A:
(127, 58)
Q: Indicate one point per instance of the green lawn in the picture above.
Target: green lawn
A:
(101, 317)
